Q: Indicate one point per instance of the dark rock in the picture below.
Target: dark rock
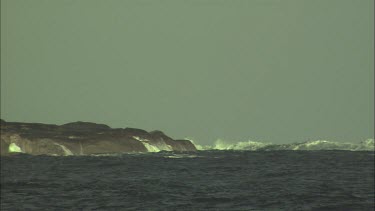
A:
(184, 145)
(84, 126)
(83, 138)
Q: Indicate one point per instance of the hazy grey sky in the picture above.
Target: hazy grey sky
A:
(272, 70)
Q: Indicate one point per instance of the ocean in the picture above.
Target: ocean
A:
(203, 180)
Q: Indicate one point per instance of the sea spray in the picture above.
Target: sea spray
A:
(66, 150)
(198, 146)
(13, 147)
(242, 145)
(149, 147)
(220, 144)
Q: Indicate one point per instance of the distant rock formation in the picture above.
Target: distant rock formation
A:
(83, 138)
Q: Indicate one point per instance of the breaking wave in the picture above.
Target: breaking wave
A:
(366, 145)
(149, 147)
(66, 150)
(154, 147)
(13, 147)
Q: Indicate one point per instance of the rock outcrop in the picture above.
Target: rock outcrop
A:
(83, 138)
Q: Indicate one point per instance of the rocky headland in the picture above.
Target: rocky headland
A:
(83, 138)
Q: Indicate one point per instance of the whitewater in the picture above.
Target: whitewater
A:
(220, 144)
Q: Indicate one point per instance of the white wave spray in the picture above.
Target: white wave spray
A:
(366, 145)
(66, 150)
(149, 147)
(13, 147)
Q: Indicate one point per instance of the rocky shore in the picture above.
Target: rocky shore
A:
(83, 138)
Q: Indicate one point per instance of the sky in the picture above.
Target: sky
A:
(275, 71)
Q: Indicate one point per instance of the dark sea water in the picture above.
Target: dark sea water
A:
(206, 180)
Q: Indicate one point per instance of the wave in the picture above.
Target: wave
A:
(153, 146)
(149, 147)
(66, 150)
(366, 145)
(13, 147)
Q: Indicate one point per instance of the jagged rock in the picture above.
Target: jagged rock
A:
(83, 138)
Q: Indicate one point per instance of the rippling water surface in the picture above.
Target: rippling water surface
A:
(206, 180)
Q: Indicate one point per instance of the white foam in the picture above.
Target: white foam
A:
(149, 147)
(66, 150)
(317, 142)
(81, 149)
(164, 146)
(199, 147)
(366, 145)
(13, 147)
(242, 145)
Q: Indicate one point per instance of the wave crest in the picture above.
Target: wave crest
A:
(366, 145)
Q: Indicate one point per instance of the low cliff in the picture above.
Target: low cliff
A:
(83, 138)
